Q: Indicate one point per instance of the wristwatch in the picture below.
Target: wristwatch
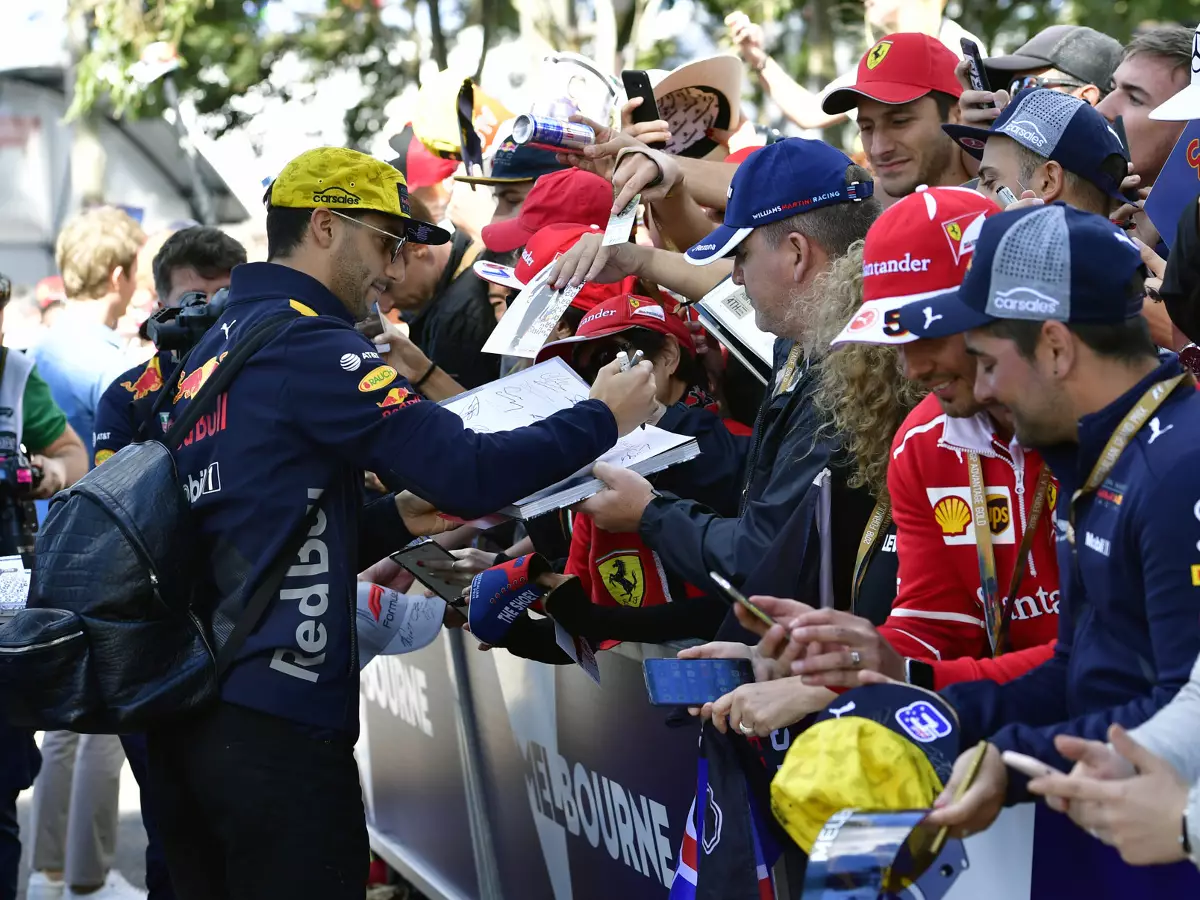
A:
(918, 673)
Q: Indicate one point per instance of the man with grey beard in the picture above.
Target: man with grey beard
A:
(794, 207)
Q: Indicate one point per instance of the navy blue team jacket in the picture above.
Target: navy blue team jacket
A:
(1129, 615)
(300, 423)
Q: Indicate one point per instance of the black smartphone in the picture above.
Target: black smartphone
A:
(978, 76)
(424, 550)
(693, 682)
(637, 84)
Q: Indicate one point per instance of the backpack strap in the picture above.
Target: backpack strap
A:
(220, 379)
(257, 605)
(216, 384)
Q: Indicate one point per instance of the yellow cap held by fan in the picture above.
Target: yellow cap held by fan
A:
(879, 747)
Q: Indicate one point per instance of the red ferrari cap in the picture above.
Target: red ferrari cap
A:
(571, 195)
(920, 247)
(617, 314)
(900, 68)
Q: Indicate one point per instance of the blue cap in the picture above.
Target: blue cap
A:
(777, 182)
(1059, 127)
(515, 163)
(1040, 263)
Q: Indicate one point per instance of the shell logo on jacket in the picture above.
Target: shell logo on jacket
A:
(938, 610)
(952, 511)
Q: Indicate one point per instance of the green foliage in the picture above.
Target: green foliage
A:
(227, 51)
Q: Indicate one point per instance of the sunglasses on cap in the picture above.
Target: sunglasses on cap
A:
(394, 244)
(1021, 82)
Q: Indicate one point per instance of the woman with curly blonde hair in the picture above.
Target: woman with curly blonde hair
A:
(864, 397)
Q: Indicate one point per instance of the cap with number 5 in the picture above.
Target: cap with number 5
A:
(920, 247)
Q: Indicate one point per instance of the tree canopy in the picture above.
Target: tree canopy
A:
(229, 49)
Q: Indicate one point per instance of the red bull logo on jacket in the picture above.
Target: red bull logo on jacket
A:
(397, 398)
(147, 383)
(190, 384)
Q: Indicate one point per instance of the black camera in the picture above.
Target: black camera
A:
(180, 327)
(19, 478)
(18, 519)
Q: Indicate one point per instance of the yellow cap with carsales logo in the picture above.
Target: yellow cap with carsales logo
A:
(878, 747)
(346, 180)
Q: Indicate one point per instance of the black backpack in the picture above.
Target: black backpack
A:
(110, 642)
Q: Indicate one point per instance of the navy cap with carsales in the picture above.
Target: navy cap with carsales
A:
(776, 182)
(1060, 127)
(1041, 263)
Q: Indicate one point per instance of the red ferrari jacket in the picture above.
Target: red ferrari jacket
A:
(938, 612)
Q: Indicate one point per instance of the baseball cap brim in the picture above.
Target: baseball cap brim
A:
(719, 244)
(941, 316)
(418, 232)
(566, 347)
(969, 138)
(1015, 63)
(498, 274)
(506, 236)
(868, 324)
(1183, 107)
(491, 182)
(891, 92)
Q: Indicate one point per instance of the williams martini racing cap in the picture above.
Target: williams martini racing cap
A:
(1041, 263)
(777, 182)
(920, 247)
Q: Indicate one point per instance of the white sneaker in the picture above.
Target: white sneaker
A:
(115, 888)
(42, 887)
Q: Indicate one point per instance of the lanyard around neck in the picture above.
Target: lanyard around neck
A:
(997, 613)
(872, 538)
(1146, 406)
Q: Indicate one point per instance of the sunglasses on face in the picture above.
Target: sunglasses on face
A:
(1022, 82)
(5, 291)
(392, 246)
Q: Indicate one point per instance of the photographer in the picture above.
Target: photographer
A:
(190, 268)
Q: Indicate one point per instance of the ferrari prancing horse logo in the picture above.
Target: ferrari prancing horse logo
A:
(878, 53)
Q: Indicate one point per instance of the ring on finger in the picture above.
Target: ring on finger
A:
(855, 659)
(744, 728)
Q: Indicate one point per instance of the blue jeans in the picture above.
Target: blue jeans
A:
(158, 881)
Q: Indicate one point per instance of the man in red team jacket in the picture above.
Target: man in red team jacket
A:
(938, 632)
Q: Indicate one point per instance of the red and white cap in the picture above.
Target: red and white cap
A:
(918, 248)
(543, 249)
(617, 314)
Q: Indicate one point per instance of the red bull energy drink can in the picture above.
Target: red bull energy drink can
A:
(555, 132)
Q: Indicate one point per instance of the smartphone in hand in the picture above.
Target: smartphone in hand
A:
(978, 76)
(735, 596)
(693, 682)
(637, 84)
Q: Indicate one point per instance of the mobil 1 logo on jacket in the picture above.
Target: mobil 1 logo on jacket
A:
(951, 510)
